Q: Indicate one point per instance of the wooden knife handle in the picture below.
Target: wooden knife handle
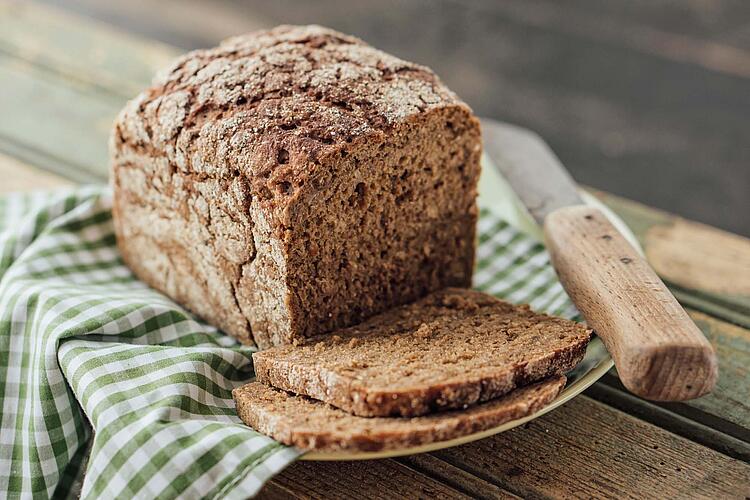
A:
(659, 352)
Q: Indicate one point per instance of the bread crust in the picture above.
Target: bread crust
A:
(231, 170)
(313, 425)
(452, 349)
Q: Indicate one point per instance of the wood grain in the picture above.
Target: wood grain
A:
(730, 400)
(454, 476)
(659, 352)
(18, 176)
(94, 54)
(585, 449)
(721, 419)
(64, 79)
(675, 249)
(60, 125)
(367, 479)
(708, 269)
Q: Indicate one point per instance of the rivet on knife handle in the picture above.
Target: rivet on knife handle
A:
(659, 352)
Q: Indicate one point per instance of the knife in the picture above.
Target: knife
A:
(659, 352)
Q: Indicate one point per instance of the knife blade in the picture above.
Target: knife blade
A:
(660, 354)
(531, 168)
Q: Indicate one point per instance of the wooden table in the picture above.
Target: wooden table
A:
(63, 79)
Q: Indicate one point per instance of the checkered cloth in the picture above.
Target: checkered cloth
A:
(85, 345)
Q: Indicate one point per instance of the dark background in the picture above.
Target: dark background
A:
(646, 99)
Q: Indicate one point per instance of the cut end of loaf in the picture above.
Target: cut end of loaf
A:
(396, 223)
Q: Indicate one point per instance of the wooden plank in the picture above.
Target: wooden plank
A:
(367, 479)
(58, 124)
(707, 269)
(64, 79)
(611, 392)
(276, 491)
(18, 176)
(87, 51)
(721, 419)
(730, 400)
(586, 449)
(455, 477)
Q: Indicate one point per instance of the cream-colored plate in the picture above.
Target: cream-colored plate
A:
(496, 193)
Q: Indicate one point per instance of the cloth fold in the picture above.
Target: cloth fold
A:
(94, 362)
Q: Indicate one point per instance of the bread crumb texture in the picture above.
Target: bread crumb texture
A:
(310, 424)
(454, 348)
(293, 181)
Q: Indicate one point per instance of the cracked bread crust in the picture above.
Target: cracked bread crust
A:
(313, 425)
(293, 181)
(284, 99)
(452, 349)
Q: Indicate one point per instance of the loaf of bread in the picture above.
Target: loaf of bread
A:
(310, 424)
(294, 181)
(452, 349)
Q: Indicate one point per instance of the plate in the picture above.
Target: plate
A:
(495, 192)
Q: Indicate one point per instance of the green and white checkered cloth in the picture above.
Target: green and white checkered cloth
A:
(85, 345)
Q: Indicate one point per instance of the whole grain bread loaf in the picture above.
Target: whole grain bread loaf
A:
(310, 424)
(293, 181)
(451, 349)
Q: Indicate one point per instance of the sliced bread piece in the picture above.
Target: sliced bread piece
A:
(452, 349)
(310, 424)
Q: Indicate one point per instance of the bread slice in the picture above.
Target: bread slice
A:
(452, 349)
(310, 424)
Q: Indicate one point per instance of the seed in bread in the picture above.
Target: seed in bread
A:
(294, 181)
(451, 349)
(310, 424)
